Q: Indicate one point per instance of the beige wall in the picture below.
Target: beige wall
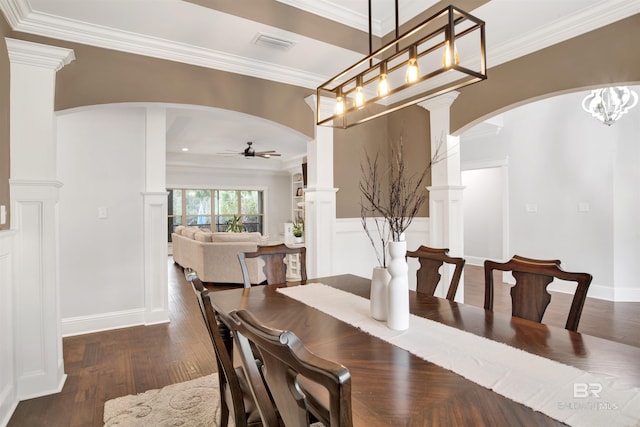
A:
(602, 57)
(352, 145)
(103, 76)
(4, 120)
(99, 76)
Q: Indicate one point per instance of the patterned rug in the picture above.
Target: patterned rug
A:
(191, 403)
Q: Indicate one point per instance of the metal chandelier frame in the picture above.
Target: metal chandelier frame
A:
(439, 55)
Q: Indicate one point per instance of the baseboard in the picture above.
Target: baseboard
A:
(8, 404)
(102, 322)
(474, 260)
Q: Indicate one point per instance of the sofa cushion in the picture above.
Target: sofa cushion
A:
(203, 236)
(237, 237)
(190, 232)
(178, 229)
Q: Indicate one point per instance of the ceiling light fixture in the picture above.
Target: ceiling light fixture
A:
(610, 103)
(443, 53)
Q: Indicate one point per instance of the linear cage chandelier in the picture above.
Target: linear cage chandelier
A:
(443, 53)
(610, 103)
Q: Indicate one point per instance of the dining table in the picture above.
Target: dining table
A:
(392, 386)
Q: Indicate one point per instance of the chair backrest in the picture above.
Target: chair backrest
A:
(275, 267)
(529, 296)
(291, 372)
(428, 277)
(227, 376)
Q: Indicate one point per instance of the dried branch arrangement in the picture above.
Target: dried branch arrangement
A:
(391, 196)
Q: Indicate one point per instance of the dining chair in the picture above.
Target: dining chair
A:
(235, 394)
(428, 277)
(303, 386)
(275, 267)
(529, 296)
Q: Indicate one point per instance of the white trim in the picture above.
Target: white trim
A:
(475, 260)
(102, 322)
(38, 55)
(338, 13)
(484, 164)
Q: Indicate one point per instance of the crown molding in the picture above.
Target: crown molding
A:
(38, 55)
(563, 29)
(360, 21)
(338, 13)
(22, 18)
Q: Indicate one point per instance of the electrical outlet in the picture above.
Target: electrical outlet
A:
(102, 212)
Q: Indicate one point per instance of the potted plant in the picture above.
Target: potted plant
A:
(298, 229)
(234, 225)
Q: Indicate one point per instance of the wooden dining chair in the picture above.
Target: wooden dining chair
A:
(428, 277)
(529, 296)
(302, 386)
(235, 395)
(275, 267)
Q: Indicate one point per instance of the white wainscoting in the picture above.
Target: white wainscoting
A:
(353, 253)
(8, 384)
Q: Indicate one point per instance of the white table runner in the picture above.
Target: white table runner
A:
(562, 392)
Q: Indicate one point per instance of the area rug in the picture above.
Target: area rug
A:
(193, 403)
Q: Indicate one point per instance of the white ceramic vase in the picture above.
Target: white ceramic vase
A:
(379, 293)
(398, 303)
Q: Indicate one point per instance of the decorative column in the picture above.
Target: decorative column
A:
(34, 216)
(446, 220)
(154, 199)
(320, 200)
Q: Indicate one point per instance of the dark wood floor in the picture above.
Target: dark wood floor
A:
(110, 364)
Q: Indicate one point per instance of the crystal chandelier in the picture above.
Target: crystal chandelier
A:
(443, 53)
(610, 103)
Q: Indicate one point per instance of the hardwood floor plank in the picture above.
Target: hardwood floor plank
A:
(120, 362)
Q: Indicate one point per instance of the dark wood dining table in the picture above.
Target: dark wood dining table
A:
(392, 387)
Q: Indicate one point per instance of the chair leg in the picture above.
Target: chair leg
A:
(224, 413)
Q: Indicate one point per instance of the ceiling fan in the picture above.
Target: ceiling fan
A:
(251, 152)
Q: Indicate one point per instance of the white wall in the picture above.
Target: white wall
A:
(101, 163)
(573, 188)
(276, 184)
(483, 214)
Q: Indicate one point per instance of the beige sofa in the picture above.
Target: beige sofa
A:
(214, 256)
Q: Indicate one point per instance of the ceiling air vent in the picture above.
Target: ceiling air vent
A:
(262, 39)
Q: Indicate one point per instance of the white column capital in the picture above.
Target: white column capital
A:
(38, 55)
(442, 101)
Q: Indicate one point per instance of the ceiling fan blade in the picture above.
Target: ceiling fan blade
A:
(267, 155)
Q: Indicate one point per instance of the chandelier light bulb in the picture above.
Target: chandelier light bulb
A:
(383, 82)
(610, 103)
(359, 96)
(383, 85)
(413, 73)
(448, 60)
(339, 105)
